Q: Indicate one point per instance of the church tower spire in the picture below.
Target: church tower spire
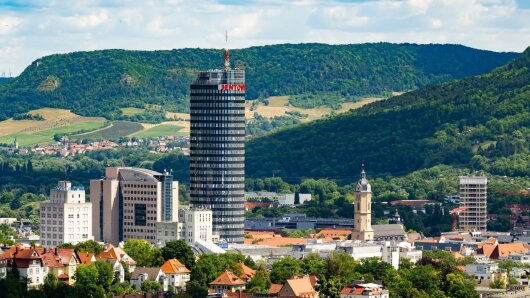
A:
(362, 223)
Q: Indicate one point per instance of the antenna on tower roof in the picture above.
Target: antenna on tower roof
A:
(227, 56)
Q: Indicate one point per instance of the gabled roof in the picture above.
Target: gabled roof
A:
(174, 266)
(116, 253)
(299, 287)
(152, 272)
(49, 259)
(246, 272)
(86, 258)
(275, 288)
(227, 278)
(66, 255)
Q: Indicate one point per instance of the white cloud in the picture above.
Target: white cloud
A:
(29, 29)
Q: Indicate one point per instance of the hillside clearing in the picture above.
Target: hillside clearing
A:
(53, 118)
(131, 111)
(162, 130)
(46, 136)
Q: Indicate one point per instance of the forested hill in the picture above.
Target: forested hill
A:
(482, 122)
(99, 83)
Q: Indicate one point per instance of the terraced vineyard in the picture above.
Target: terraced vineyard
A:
(117, 130)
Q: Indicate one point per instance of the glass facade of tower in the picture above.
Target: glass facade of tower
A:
(217, 153)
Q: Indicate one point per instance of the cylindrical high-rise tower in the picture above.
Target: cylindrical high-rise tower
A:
(217, 153)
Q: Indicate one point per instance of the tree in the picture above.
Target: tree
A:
(196, 290)
(89, 246)
(260, 282)
(140, 250)
(86, 277)
(66, 245)
(105, 274)
(149, 286)
(284, 269)
(179, 250)
(50, 285)
(458, 287)
(497, 284)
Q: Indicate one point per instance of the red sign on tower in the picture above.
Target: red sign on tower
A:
(232, 87)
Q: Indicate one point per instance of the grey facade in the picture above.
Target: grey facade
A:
(217, 149)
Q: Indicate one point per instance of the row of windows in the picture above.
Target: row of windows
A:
(205, 112)
(139, 185)
(139, 230)
(128, 223)
(140, 199)
(199, 125)
(70, 209)
(202, 159)
(51, 222)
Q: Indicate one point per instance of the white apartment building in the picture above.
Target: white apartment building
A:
(67, 217)
(473, 197)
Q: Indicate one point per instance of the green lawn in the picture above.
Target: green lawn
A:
(131, 111)
(117, 130)
(46, 136)
(162, 130)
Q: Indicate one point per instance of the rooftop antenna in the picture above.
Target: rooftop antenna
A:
(227, 56)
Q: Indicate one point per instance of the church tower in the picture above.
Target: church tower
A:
(362, 226)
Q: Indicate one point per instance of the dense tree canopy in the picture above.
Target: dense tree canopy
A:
(481, 122)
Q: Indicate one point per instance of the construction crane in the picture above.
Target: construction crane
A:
(455, 213)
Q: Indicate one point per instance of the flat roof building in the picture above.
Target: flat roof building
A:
(473, 197)
(67, 217)
(128, 202)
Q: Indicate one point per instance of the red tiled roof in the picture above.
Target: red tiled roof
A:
(65, 254)
(227, 278)
(63, 276)
(275, 288)
(174, 266)
(246, 272)
(85, 257)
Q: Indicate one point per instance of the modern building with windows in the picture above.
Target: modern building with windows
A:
(217, 148)
(128, 203)
(67, 217)
(473, 197)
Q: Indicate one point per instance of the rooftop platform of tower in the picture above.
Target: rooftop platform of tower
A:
(220, 76)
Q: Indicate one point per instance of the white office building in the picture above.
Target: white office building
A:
(196, 225)
(67, 217)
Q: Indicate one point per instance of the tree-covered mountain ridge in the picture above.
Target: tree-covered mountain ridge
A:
(99, 83)
(482, 122)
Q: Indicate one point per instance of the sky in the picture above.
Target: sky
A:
(30, 29)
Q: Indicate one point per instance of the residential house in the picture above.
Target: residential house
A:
(86, 258)
(142, 274)
(227, 281)
(362, 290)
(176, 273)
(69, 259)
(116, 253)
(495, 250)
(485, 273)
(247, 273)
(29, 263)
(298, 288)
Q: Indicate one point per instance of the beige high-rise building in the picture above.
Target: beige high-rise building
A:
(362, 218)
(473, 197)
(128, 203)
(67, 217)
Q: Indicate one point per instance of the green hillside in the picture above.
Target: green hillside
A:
(100, 83)
(482, 122)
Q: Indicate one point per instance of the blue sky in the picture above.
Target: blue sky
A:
(30, 29)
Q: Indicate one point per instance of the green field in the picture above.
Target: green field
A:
(46, 136)
(161, 130)
(117, 130)
(132, 111)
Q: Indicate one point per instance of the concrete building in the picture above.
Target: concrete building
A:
(129, 202)
(217, 148)
(196, 225)
(67, 217)
(473, 197)
(362, 224)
